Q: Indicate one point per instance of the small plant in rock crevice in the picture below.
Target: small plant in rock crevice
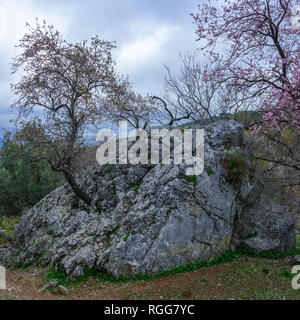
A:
(237, 166)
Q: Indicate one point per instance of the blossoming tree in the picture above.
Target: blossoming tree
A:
(58, 94)
(259, 42)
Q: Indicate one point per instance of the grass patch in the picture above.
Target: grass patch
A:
(137, 187)
(126, 236)
(208, 171)
(227, 257)
(192, 179)
(286, 274)
(62, 278)
(265, 271)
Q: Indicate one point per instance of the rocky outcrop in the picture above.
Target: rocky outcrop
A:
(147, 218)
(265, 226)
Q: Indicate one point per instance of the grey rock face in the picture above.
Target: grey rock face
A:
(265, 226)
(148, 218)
(297, 259)
(294, 260)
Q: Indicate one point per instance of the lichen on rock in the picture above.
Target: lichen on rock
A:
(165, 222)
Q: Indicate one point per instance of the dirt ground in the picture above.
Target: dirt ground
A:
(243, 279)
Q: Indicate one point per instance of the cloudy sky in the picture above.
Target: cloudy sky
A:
(148, 33)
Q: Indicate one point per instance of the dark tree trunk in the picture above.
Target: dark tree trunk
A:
(6, 236)
(78, 191)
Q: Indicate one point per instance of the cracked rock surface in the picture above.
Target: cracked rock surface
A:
(150, 218)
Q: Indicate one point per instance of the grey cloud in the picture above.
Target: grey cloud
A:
(127, 22)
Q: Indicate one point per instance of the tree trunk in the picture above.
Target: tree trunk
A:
(78, 191)
(6, 236)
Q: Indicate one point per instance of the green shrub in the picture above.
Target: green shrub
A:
(22, 182)
(237, 166)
